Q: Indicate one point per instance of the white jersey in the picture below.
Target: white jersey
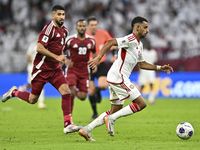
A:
(148, 75)
(32, 53)
(129, 54)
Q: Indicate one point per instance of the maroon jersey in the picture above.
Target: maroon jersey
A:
(53, 39)
(80, 51)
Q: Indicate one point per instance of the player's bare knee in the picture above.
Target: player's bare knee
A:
(82, 98)
(103, 87)
(91, 92)
(73, 93)
(143, 105)
(33, 101)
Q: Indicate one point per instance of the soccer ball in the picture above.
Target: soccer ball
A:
(184, 130)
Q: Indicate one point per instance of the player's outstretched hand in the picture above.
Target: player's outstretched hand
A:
(94, 63)
(167, 68)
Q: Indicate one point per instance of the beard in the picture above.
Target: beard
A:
(81, 33)
(59, 24)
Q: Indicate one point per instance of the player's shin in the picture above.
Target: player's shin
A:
(128, 110)
(66, 107)
(97, 122)
(24, 95)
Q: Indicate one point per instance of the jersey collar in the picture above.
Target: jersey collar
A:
(136, 37)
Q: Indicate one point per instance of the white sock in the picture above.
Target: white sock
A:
(41, 98)
(97, 122)
(151, 97)
(128, 110)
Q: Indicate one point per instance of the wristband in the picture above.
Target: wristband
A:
(158, 67)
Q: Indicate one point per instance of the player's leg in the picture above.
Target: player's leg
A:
(133, 95)
(102, 85)
(81, 95)
(23, 95)
(41, 104)
(83, 85)
(102, 82)
(151, 98)
(37, 84)
(116, 105)
(72, 78)
(73, 94)
(85, 131)
(31, 98)
(60, 83)
(92, 96)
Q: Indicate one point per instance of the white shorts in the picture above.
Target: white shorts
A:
(29, 71)
(120, 92)
(146, 76)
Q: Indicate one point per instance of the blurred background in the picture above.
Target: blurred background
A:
(174, 33)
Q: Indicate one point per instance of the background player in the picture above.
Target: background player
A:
(77, 73)
(47, 67)
(30, 55)
(148, 76)
(101, 37)
(120, 86)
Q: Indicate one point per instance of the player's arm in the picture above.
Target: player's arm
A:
(42, 50)
(95, 62)
(94, 54)
(147, 66)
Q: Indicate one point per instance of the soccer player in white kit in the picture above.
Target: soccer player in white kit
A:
(120, 87)
(30, 56)
(148, 76)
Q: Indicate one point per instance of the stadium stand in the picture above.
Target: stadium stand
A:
(174, 26)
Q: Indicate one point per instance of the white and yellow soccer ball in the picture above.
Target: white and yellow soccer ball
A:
(184, 130)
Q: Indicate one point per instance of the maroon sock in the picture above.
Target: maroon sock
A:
(24, 95)
(72, 103)
(66, 107)
(15, 93)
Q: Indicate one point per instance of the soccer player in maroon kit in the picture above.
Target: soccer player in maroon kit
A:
(77, 74)
(47, 67)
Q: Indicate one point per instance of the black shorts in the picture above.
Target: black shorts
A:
(102, 70)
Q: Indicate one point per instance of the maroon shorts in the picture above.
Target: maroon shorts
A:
(55, 77)
(79, 79)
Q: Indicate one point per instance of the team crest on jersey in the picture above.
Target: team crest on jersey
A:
(89, 46)
(131, 86)
(45, 38)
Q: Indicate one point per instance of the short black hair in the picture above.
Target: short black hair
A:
(57, 7)
(137, 19)
(91, 18)
(79, 20)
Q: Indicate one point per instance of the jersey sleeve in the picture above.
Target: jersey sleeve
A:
(123, 42)
(45, 35)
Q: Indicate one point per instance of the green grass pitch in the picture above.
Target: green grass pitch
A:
(23, 127)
